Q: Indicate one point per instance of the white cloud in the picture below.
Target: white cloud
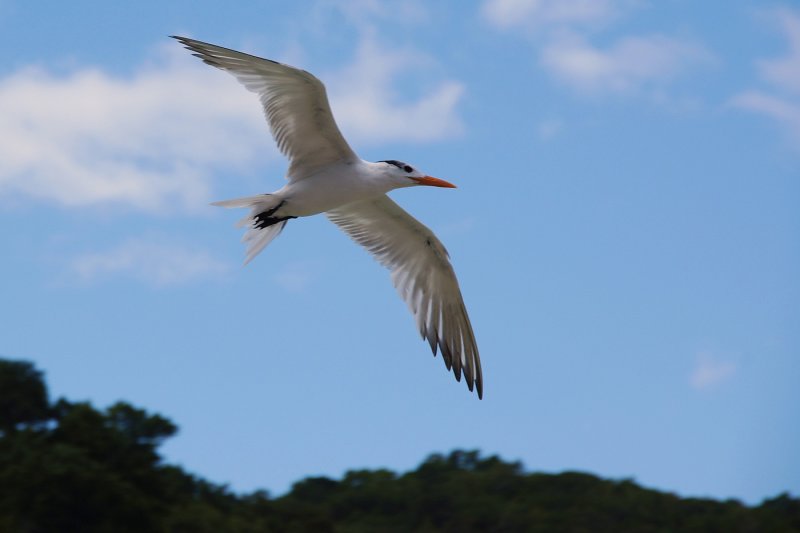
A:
(784, 72)
(145, 141)
(155, 140)
(564, 34)
(154, 263)
(371, 110)
(363, 13)
(710, 372)
(782, 109)
(630, 64)
(781, 102)
(365, 95)
(539, 13)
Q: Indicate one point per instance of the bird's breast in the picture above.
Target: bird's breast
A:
(317, 194)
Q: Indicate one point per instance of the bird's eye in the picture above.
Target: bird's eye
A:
(408, 168)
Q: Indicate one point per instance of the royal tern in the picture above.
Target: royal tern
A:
(326, 176)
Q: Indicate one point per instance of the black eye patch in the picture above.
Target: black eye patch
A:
(398, 164)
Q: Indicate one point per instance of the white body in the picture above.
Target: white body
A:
(337, 185)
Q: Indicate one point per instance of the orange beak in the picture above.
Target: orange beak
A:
(434, 182)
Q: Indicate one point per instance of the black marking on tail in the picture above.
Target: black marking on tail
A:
(263, 220)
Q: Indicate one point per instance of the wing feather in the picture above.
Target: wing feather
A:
(295, 103)
(422, 273)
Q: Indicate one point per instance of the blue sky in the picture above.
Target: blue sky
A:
(625, 232)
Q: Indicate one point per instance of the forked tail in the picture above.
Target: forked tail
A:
(262, 226)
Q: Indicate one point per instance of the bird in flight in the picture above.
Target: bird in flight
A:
(326, 176)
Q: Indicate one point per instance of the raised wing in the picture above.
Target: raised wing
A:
(422, 273)
(295, 103)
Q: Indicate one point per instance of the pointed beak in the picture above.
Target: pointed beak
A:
(434, 182)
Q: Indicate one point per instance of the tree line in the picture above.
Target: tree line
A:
(71, 467)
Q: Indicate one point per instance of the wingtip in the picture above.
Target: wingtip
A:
(475, 386)
(479, 384)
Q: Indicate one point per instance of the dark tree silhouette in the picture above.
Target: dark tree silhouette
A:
(23, 396)
(69, 467)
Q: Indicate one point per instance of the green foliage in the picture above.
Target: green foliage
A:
(69, 467)
(23, 396)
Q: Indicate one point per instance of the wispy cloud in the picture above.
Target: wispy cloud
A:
(549, 128)
(629, 64)
(781, 100)
(564, 32)
(153, 263)
(538, 14)
(784, 72)
(710, 372)
(155, 140)
(296, 276)
(366, 13)
(371, 111)
(367, 95)
(146, 141)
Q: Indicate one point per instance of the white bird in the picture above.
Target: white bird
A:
(326, 176)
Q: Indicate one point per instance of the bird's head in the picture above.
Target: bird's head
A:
(404, 175)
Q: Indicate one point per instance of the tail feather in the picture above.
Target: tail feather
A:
(246, 201)
(257, 236)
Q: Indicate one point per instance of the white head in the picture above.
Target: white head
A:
(404, 175)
